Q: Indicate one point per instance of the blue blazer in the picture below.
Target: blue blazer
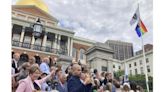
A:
(75, 85)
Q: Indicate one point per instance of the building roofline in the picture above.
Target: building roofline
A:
(33, 6)
(99, 47)
(63, 29)
(115, 60)
(137, 56)
(56, 27)
(84, 40)
(119, 41)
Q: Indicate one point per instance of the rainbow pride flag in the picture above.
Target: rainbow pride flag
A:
(140, 28)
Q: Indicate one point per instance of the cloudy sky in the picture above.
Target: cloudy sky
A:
(101, 20)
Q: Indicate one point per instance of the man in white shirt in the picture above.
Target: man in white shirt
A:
(44, 67)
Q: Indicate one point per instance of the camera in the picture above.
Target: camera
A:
(52, 84)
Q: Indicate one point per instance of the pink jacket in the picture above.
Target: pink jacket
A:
(26, 84)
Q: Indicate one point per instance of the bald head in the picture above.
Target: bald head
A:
(16, 56)
(76, 69)
(75, 66)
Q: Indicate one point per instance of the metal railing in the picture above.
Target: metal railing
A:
(39, 48)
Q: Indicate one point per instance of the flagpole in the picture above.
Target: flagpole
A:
(144, 59)
(145, 65)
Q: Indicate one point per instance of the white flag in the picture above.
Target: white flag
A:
(135, 17)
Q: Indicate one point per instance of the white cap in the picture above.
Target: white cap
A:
(127, 84)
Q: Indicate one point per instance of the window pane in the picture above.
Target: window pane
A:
(16, 37)
(74, 52)
(136, 71)
(113, 66)
(27, 39)
(15, 40)
(148, 68)
(103, 68)
(147, 60)
(140, 62)
(142, 70)
(119, 67)
(48, 43)
(135, 64)
(37, 45)
(38, 42)
(130, 72)
(82, 51)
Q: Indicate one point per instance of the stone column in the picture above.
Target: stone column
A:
(77, 55)
(56, 39)
(54, 44)
(59, 38)
(71, 46)
(12, 25)
(110, 66)
(22, 36)
(44, 41)
(32, 42)
(98, 64)
(68, 46)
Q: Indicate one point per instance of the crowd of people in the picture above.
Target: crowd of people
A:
(30, 76)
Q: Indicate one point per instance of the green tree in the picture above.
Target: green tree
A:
(140, 80)
(118, 74)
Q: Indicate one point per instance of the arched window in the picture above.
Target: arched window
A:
(82, 54)
(74, 52)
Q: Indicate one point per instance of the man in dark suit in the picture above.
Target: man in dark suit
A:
(15, 60)
(75, 84)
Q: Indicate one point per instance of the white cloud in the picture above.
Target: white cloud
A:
(103, 19)
(14, 1)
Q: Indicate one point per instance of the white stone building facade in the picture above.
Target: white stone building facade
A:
(135, 65)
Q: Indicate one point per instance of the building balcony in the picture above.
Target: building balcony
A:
(39, 48)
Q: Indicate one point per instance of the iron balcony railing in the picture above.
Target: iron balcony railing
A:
(39, 48)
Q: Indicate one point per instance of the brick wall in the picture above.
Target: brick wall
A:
(78, 47)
